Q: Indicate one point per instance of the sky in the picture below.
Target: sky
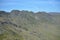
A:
(30, 5)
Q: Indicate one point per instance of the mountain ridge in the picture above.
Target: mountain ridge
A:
(27, 25)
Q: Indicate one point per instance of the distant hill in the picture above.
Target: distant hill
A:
(27, 25)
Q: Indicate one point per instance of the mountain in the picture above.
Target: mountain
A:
(27, 25)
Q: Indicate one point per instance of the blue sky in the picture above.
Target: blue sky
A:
(31, 5)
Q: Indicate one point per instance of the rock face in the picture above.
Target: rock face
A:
(26, 25)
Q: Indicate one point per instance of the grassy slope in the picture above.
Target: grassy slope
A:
(29, 28)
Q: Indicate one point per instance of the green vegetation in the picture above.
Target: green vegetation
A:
(25, 25)
(10, 36)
